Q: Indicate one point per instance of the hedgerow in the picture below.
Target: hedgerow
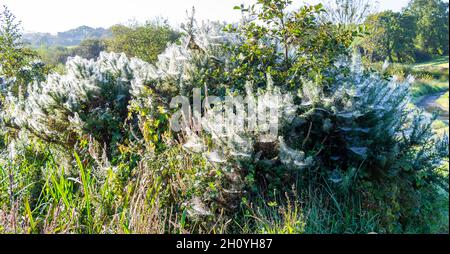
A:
(348, 141)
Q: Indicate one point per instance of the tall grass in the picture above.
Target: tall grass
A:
(431, 77)
(84, 202)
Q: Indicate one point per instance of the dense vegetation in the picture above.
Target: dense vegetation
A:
(417, 33)
(91, 147)
(145, 41)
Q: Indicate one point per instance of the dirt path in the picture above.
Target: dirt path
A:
(429, 104)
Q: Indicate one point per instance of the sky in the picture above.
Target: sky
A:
(60, 15)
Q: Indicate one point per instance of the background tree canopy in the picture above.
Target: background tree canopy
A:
(143, 41)
(417, 33)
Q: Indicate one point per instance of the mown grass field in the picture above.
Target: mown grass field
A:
(438, 62)
(430, 90)
(443, 101)
(430, 77)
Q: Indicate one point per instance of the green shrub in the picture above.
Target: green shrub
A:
(91, 99)
(351, 154)
(145, 41)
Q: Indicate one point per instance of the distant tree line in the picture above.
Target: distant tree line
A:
(145, 41)
(56, 55)
(70, 38)
(417, 33)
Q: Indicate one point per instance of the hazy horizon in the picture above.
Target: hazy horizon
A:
(52, 16)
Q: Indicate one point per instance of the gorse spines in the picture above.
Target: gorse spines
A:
(90, 99)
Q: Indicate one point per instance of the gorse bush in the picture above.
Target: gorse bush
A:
(331, 147)
(367, 124)
(365, 131)
(91, 99)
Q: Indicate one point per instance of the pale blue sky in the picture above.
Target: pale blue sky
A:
(60, 15)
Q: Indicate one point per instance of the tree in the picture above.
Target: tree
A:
(89, 49)
(16, 61)
(416, 33)
(391, 36)
(432, 17)
(142, 41)
(13, 55)
(404, 46)
(289, 45)
(347, 12)
(54, 55)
